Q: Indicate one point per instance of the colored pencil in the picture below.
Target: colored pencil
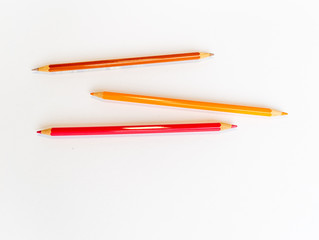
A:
(137, 129)
(188, 104)
(123, 62)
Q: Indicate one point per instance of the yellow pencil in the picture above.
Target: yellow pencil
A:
(188, 104)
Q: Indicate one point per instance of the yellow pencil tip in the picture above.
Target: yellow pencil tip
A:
(283, 113)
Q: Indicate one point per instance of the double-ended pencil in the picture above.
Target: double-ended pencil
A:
(123, 62)
(187, 104)
(137, 129)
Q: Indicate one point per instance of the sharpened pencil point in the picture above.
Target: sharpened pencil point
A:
(283, 113)
(45, 131)
(205, 55)
(97, 94)
(35, 69)
(233, 126)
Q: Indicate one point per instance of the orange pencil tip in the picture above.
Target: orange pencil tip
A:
(97, 94)
(233, 126)
(283, 113)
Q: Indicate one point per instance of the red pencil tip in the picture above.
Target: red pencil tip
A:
(39, 131)
(233, 126)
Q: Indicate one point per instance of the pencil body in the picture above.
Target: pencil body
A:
(187, 104)
(123, 62)
(137, 129)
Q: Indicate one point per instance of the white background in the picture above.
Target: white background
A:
(259, 181)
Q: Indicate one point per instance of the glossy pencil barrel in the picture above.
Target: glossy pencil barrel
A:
(187, 104)
(123, 62)
(137, 129)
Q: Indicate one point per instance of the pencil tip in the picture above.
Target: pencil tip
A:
(283, 113)
(205, 55)
(35, 69)
(45, 131)
(233, 126)
(97, 94)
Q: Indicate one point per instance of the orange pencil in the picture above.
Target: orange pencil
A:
(188, 104)
(123, 62)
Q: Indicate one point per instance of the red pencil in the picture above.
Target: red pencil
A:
(136, 129)
(123, 62)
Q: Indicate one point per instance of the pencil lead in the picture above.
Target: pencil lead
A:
(35, 69)
(284, 113)
(39, 131)
(233, 126)
(211, 54)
